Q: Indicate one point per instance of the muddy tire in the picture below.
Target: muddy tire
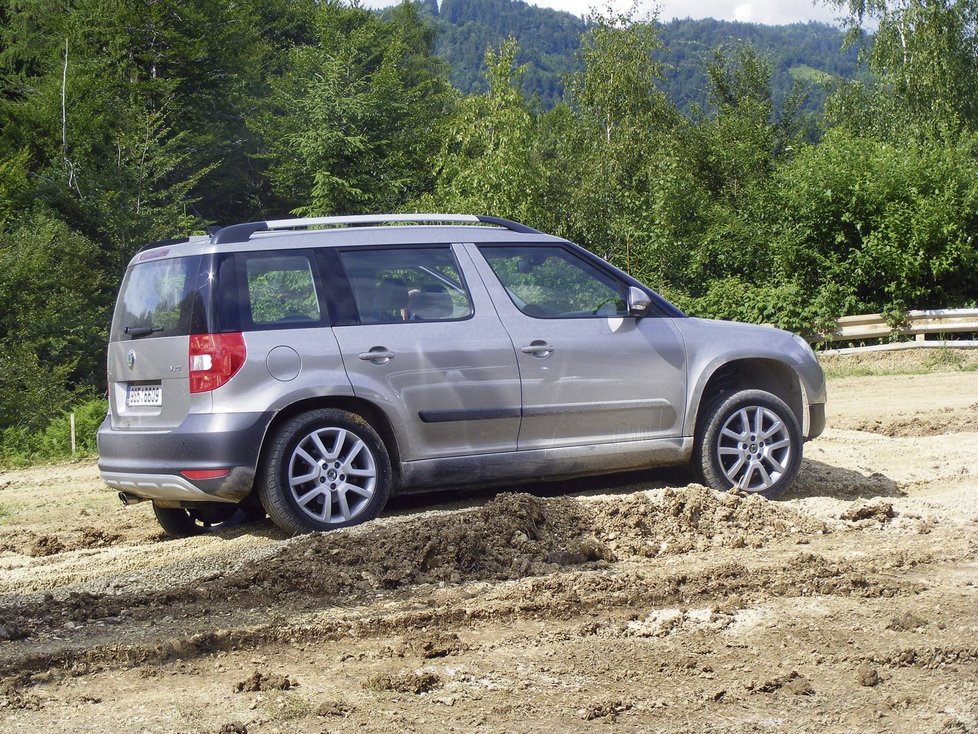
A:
(322, 470)
(179, 522)
(749, 439)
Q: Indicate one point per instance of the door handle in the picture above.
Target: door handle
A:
(377, 355)
(538, 348)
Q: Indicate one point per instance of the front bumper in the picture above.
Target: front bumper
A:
(149, 464)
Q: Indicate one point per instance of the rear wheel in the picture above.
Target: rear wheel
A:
(750, 440)
(324, 469)
(182, 522)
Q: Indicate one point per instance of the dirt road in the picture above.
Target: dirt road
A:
(635, 603)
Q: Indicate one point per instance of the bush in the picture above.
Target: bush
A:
(20, 447)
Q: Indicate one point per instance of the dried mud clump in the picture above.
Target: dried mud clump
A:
(31, 544)
(334, 708)
(97, 538)
(13, 698)
(437, 644)
(607, 710)
(906, 622)
(794, 683)
(881, 512)
(867, 676)
(259, 681)
(11, 631)
(404, 682)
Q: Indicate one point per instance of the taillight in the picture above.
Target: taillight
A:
(215, 359)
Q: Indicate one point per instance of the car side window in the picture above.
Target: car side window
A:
(397, 285)
(551, 282)
(281, 290)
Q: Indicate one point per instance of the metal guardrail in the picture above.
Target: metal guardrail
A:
(917, 324)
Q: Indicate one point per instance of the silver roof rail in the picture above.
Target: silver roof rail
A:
(242, 232)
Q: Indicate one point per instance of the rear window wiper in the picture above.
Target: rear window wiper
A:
(137, 331)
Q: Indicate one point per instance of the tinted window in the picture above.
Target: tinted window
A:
(551, 282)
(281, 289)
(157, 299)
(406, 284)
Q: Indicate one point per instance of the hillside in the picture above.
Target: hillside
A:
(549, 40)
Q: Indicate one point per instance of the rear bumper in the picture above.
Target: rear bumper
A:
(150, 463)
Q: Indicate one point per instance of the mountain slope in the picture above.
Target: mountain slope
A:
(549, 40)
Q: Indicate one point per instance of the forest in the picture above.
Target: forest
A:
(550, 41)
(125, 121)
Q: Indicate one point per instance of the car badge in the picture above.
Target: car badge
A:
(131, 360)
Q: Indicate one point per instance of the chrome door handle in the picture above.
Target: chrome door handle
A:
(377, 355)
(538, 348)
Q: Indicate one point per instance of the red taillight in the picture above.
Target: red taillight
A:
(215, 359)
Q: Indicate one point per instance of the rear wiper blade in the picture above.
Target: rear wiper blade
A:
(137, 331)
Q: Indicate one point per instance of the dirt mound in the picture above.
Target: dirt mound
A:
(27, 543)
(36, 545)
(921, 423)
(694, 518)
(511, 537)
(518, 535)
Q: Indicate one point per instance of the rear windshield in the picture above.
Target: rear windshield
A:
(158, 299)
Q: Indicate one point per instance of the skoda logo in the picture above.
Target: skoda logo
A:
(131, 360)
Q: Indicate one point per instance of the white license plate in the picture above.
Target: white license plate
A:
(137, 395)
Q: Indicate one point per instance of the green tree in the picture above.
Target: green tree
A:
(349, 125)
(487, 162)
(924, 58)
(54, 321)
(622, 117)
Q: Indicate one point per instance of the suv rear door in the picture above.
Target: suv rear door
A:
(148, 343)
(418, 341)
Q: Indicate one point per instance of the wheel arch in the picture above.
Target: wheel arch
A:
(752, 373)
(358, 406)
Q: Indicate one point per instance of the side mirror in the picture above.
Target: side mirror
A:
(638, 302)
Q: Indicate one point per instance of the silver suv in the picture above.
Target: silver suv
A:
(310, 368)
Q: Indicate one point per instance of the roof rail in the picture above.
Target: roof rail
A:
(242, 232)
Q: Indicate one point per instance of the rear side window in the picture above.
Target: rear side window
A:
(158, 298)
(256, 291)
(281, 290)
(397, 285)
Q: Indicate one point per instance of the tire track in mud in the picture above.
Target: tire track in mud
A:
(517, 557)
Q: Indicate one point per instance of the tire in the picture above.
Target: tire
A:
(749, 439)
(323, 470)
(180, 522)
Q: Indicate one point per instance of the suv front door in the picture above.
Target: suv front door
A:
(590, 373)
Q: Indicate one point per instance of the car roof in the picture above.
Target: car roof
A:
(349, 231)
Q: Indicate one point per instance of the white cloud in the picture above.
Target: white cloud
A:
(771, 12)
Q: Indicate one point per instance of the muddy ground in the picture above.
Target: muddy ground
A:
(631, 603)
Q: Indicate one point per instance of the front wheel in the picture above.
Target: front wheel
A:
(750, 440)
(324, 469)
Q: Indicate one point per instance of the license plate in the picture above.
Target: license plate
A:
(139, 395)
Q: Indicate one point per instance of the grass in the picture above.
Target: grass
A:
(904, 362)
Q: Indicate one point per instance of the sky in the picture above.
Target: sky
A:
(772, 12)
